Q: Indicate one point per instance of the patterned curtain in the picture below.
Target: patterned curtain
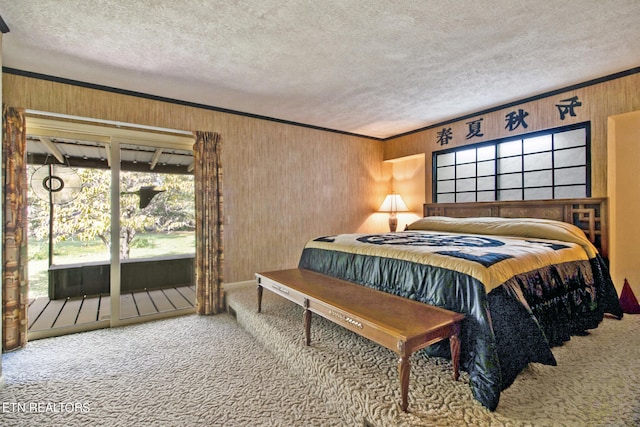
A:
(15, 286)
(209, 222)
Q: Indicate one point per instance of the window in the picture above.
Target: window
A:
(551, 164)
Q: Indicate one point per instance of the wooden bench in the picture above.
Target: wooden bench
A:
(399, 324)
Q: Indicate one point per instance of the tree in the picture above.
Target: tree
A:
(88, 217)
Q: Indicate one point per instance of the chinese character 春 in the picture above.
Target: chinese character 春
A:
(444, 136)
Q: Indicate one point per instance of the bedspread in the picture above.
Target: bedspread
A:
(524, 286)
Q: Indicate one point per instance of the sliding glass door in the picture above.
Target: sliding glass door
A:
(153, 254)
(111, 223)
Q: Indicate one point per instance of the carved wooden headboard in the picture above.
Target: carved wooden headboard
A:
(588, 214)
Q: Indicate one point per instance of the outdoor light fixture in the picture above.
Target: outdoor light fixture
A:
(145, 194)
(393, 203)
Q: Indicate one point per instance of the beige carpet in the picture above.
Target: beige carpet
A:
(596, 382)
(196, 370)
(185, 371)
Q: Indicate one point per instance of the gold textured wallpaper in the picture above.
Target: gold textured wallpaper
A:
(283, 184)
(598, 102)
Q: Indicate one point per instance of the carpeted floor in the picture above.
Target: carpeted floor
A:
(596, 382)
(185, 371)
(196, 370)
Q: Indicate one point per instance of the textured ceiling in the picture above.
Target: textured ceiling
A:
(373, 67)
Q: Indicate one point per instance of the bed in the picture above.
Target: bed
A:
(527, 276)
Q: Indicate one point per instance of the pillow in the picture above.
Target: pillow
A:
(531, 228)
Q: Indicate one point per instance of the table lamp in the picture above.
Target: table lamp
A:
(393, 203)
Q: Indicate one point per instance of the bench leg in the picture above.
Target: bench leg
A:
(259, 298)
(404, 367)
(307, 322)
(454, 343)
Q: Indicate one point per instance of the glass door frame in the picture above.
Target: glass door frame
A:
(112, 134)
(115, 262)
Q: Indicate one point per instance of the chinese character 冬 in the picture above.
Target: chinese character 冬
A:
(565, 109)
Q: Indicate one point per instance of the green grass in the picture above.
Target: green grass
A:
(147, 245)
(159, 244)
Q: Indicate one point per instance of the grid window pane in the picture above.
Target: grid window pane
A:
(538, 179)
(448, 172)
(466, 156)
(466, 184)
(537, 144)
(445, 159)
(544, 165)
(510, 195)
(486, 153)
(572, 138)
(513, 148)
(446, 198)
(487, 168)
(570, 157)
(570, 176)
(446, 186)
(538, 193)
(570, 192)
(466, 197)
(510, 164)
(512, 180)
(465, 171)
(486, 183)
(486, 196)
(537, 161)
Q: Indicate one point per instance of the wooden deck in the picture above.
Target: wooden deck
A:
(56, 317)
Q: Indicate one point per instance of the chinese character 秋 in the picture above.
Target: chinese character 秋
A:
(474, 129)
(514, 119)
(444, 136)
(565, 109)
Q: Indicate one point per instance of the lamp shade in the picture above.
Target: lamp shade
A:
(393, 203)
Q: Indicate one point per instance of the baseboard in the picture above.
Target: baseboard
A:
(236, 284)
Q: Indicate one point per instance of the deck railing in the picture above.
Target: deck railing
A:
(93, 278)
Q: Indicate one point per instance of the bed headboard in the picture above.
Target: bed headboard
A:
(588, 214)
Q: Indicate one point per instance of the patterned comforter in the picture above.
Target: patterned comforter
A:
(524, 285)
